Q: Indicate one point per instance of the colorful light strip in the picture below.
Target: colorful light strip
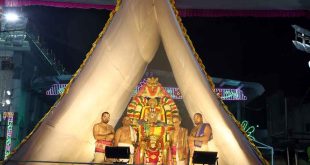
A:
(248, 129)
(9, 132)
(225, 94)
(230, 94)
(56, 89)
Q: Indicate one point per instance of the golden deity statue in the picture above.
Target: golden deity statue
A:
(151, 111)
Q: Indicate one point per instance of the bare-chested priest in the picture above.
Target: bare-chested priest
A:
(104, 134)
(200, 135)
(126, 137)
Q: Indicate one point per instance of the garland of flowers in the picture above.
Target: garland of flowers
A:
(88, 55)
(209, 78)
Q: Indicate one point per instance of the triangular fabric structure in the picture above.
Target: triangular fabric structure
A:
(112, 69)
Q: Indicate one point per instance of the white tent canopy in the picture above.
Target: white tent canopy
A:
(116, 65)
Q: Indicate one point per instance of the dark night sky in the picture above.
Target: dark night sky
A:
(246, 49)
(252, 49)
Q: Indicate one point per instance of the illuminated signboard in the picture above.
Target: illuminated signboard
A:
(230, 94)
(225, 94)
(57, 89)
(9, 131)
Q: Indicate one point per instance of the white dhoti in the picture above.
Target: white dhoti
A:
(203, 147)
(179, 162)
(132, 151)
(99, 157)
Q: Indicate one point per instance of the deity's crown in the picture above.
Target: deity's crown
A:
(152, 81)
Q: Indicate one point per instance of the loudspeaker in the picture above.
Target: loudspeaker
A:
(117, 152)
(201, 157)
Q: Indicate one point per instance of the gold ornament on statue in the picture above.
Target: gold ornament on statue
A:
(152, 81)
